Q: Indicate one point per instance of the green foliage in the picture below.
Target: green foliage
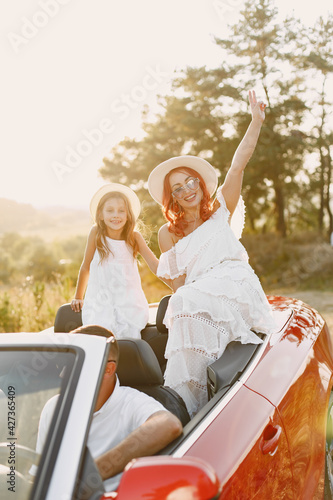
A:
(22, 257)
(28, 304)
(10, 314)
(205, 114)
(302, 261)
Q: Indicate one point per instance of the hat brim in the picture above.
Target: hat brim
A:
(203, 167)
(114, 187)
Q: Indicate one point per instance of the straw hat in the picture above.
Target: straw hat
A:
(113, 187)
(156, 177)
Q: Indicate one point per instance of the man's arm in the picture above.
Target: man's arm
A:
(152, 436)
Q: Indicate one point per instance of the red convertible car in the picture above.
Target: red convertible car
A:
(266, 432)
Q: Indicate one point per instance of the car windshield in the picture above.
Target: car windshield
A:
(28, 380)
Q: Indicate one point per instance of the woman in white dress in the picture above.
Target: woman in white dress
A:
(217, 296)
(109, 288)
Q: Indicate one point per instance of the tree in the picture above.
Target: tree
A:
(260, 44)
(313, 54)
(206, 114)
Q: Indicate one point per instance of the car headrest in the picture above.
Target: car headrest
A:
(138, 364)
(66, 319)
(162, 307)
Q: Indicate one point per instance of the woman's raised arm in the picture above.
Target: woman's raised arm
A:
(232, 185)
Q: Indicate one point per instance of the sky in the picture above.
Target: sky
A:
(76, 75)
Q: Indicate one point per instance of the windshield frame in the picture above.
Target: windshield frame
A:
(67, 388)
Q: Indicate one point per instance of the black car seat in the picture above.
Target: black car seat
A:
(157, 335)
(138, 367)
(66, 319)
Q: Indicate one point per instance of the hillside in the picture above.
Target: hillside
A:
(49, 223)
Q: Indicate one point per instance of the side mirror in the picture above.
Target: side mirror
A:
(168, 478)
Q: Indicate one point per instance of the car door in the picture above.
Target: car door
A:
(243, 439)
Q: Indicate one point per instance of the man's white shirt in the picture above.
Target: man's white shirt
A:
(124, 411)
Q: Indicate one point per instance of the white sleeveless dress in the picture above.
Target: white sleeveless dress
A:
(222, 300)
(114, 297)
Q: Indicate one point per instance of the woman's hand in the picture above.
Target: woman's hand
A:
(257, 107)
(77, 305)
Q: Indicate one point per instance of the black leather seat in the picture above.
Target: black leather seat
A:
(138, 367)
(162, 307)
(226, 370)
(66, 319)
(157, 335)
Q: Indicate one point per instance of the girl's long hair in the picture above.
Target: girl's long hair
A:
(172, 210)
(127, 232)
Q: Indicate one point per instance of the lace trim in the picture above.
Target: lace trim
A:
(216, 323)
(204, 353)
(198, 385)
(198, 317)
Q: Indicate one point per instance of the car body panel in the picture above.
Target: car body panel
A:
(173, 479)
(295, 375)
(231, 445)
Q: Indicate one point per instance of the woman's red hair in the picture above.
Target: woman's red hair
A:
(172, 210)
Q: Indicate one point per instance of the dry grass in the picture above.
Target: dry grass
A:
(300, 267)
(31, 309)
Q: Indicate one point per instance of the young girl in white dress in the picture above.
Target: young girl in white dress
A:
(109, 279)
(218, 298)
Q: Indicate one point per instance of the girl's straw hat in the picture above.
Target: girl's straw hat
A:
(113, 187)
(156, 177)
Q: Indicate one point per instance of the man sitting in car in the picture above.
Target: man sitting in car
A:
(126, 423)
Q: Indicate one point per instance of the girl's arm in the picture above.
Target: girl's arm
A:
(147, 254)
(82, 281)
(232, 185)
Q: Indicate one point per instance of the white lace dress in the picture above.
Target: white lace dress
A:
(222, 300)
(114, 297)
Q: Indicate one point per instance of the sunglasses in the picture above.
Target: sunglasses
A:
(192, 185)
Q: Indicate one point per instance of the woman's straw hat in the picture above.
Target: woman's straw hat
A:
(113, 187)
(156, 177)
